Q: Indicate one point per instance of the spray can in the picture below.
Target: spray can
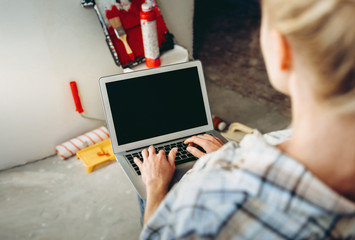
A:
(218, 123)
(150, 36)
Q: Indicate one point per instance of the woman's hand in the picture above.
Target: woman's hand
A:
(206, 141)
(157, 170)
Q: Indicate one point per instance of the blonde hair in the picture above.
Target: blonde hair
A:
(323, 33)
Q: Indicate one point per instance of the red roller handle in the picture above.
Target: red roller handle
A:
(74, 91)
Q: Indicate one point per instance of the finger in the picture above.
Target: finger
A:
(194, 151)
(162, 152)
(138, 162)
(151, 150)
(198, 141)
(191, 139)
(212, 138)
(172, 156)
(220, 140)
(208, 136)
(187, 141)
(145, 154)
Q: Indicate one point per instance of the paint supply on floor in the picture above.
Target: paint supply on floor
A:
(96, 155)
(150, 36)
(236, 132)
(69, 148)
(116, 24)
(218, 123)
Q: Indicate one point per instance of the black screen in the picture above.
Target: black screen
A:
(155, 105)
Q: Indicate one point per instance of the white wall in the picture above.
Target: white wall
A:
(178, 16)
(44, 44)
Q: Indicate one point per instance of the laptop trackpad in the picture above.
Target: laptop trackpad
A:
(180, 172)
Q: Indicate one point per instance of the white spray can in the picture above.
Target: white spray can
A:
(150, 36)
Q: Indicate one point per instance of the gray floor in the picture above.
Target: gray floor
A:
(57, 199)
(235, 107)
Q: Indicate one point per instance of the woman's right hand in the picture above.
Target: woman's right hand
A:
(207, 142)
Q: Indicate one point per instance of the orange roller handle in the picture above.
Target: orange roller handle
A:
(74, 91)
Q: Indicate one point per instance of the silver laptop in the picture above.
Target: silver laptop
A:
(162, 107)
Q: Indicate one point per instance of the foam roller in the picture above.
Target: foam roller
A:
(69, 148)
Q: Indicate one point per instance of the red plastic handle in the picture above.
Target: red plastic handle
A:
(74, 91)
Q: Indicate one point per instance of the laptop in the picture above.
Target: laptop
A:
(160, 106)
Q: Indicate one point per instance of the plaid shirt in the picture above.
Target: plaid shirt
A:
(251, 191)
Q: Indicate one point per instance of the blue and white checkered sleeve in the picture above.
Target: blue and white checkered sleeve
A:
(200, 205)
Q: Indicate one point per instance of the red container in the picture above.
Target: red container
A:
(150, 36)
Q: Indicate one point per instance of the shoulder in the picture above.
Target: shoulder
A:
(246, 190)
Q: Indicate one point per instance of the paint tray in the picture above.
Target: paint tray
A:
(96, 154)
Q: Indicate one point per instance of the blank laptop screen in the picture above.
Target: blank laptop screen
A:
(155, 105)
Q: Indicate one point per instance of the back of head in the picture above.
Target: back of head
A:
(323, 34)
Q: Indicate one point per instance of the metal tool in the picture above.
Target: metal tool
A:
(92, 4)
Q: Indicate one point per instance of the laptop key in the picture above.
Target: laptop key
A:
(182, 155)
(189, 155)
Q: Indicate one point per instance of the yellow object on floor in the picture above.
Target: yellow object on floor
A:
(96, 154)
(236, 131)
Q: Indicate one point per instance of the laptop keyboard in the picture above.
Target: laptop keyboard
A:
(182, 155)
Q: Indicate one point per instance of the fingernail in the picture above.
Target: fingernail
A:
(188, 149)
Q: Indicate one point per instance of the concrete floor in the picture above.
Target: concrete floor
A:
(56, 199)
(235, 107)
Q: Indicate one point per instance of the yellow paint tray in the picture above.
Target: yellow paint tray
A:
(96, 154)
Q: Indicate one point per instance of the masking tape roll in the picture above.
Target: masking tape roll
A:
(69, 148)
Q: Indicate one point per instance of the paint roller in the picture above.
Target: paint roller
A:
(78, 106)
(69, 148)
(75, 92)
